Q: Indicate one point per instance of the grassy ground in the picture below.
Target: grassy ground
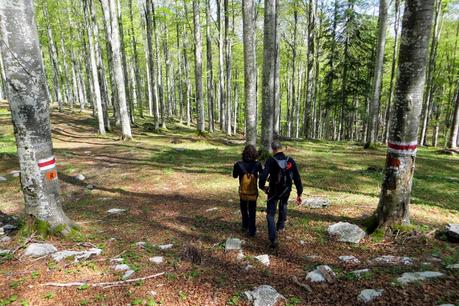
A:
(167, 181)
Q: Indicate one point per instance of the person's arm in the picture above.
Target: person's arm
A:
(236, 170)
(297, 181)
(264, 176)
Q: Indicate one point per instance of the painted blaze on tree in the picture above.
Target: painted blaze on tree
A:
(28, 99)
(396, 188)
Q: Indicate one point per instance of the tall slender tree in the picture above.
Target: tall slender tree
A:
(394, 202)
(198, 66)
(210, 73)
(250, 70)
(28, 100)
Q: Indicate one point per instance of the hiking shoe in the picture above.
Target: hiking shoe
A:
(281, 230)
(274, 244)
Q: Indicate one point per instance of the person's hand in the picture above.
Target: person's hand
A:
(298, 200)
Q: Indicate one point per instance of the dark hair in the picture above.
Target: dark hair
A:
(276, 145)
(250, 153)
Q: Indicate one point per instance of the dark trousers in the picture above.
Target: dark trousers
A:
(248, 212)
(273, 227)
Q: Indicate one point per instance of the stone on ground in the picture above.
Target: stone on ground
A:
(115, 211)
(368, 295)
(240, 255)
(349, 259)
(166, 246)
(40, 249)
(316, 202)
(157, 259)
(453, 267)
(360, 272)
(233, 244)
(8, 228)
(5, 239)
(264, 259)
(80, 177)
(140, 244)
(264, 295)
(128, 274)
(118, 259)
(409, 277)
(316, 276)
(61, 255)
(452, 232)
(346, 232)
(4, 252)
(2, 179)
(15, 173)
(389, 260)
(121, 267)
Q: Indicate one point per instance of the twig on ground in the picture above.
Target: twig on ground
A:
(298, 283)
(329, 277)
(104, 285)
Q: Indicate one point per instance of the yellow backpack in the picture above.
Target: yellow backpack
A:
(248, 189)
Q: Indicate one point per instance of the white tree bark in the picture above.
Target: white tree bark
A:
(28, 101)
(250, 70)
(110, 9)
(198, 66)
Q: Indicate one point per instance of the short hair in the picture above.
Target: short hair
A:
(250, 153)
(276, 145)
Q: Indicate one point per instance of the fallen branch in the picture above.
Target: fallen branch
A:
(304, 286)
(104, 284)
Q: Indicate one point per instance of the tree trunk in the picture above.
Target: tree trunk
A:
(135, 63)
(393, 70)
(28, 102)
(210, 75)
(110, 11)
(221, 64)
(394, 202)
(147, 46)
(91, 26)
(377, 77)
(453, 138)
(198, 67)
(228, 62)
(159, 83)
(269, 71)
(54, 61)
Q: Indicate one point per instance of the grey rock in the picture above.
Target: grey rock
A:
(8, 228)
(90, 187)
(409, 277)
(157, 260)
(80, 177)
(179, 149)
(115, 211)
(77, 255)
(3, 252)
(389, 260)
(166, 246)
(312, 257)
(5, 239)
(61, 255)
(264, 295)
(15, 173)
(248, 267)
(360, 272)
(368, 295)
(128, 274)
(3, 179)
(140, 244)
(453, 267)
(316, 202)
(316, 276)
(349, 259)
(233, 244)
(452, 232)
(263, 259)
(446, 305)
(121, 267)
(117, 259)
(346, 232)
(40, 249)
(240, 256)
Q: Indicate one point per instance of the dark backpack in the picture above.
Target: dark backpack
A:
(283, 177)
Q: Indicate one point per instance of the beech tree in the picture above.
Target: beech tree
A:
(250, 70)
(198, 66)
(28, 100)
(394, 201)
(454, 134)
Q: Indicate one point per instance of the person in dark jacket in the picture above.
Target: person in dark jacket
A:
(277, 167)
(249, 164)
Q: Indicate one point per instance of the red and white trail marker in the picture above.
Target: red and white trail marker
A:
(404, 148)
(47, 163)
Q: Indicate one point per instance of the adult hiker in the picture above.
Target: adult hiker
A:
(280, 170)
(248, 170)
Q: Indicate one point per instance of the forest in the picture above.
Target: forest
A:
(121, 122)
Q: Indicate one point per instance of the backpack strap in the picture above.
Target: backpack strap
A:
(282, 163)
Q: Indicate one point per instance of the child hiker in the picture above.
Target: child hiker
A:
(248, 171)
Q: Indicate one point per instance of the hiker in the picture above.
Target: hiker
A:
(280, 170)
(248, 170)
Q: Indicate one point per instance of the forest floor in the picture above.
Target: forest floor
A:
(177, 188)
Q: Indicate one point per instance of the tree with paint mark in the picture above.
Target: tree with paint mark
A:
(394, 201)
(28, 100)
